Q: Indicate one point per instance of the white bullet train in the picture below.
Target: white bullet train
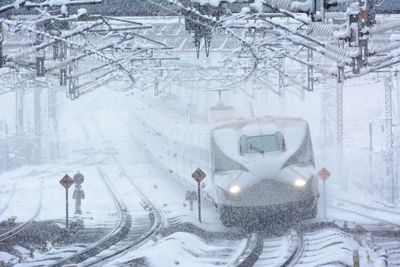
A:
(257, 169)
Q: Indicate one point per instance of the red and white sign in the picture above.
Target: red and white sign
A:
(198, 175)
(66, 181)
(324, 174)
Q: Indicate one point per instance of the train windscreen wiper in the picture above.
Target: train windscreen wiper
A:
(252, 147)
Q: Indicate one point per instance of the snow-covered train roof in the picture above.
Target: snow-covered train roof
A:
(277, 120)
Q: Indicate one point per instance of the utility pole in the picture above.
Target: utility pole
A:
(281, 77)
(389, 137)
(52, 116)
(322, 10)
(370, 7)
(396, 151)
(38, 127)
(40, 54)
(158, 74)
(370, 160)
(339, 125)
(19, 107)
(19, 127)
(73, 80)
(397, 77)
(281, 83)
(310, 71)
(1, 44)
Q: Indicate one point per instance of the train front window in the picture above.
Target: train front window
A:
(261, 143)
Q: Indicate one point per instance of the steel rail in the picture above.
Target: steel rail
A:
(366, 216)
(18, 229)
(116, 234)
(9, 199)
(155, 217)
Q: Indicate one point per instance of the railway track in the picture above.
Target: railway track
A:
(19, 228)
(388, 248)
(7, 203)
(222, 248)
(383, 233)
(366, 207)
(325, 247)
(380, 221)
(124, 235)
(80, 252)
(307, 246)
(279, 250)
(145, 225)
(295, 248)
(127, 234)
(118, 233)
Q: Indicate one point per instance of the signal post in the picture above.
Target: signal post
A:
(66, 182)
(198, 175)
(324, 174)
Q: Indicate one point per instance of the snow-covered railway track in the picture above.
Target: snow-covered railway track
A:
(308, 245)
(7, 202)
(19, 228)
(389, 249)
(367, 207)
(329, 246)
(280, 250)
(146, 224)
(384, 229)
(377, 219)
(128, 234)
(117, 233)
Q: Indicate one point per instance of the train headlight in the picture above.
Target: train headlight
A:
(300, 182)
(234, 189)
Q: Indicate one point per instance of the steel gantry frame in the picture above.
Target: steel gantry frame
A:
(360, 63)
(66, 50)
(352, 57)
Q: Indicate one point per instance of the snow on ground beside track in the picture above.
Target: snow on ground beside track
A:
(185, 249)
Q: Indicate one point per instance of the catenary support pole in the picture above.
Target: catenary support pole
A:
(339, 126)
(19, 107)
(310, 71)
(1, 44)
(38, 125)
(389, 136)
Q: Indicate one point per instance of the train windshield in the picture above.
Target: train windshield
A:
(261, 143)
